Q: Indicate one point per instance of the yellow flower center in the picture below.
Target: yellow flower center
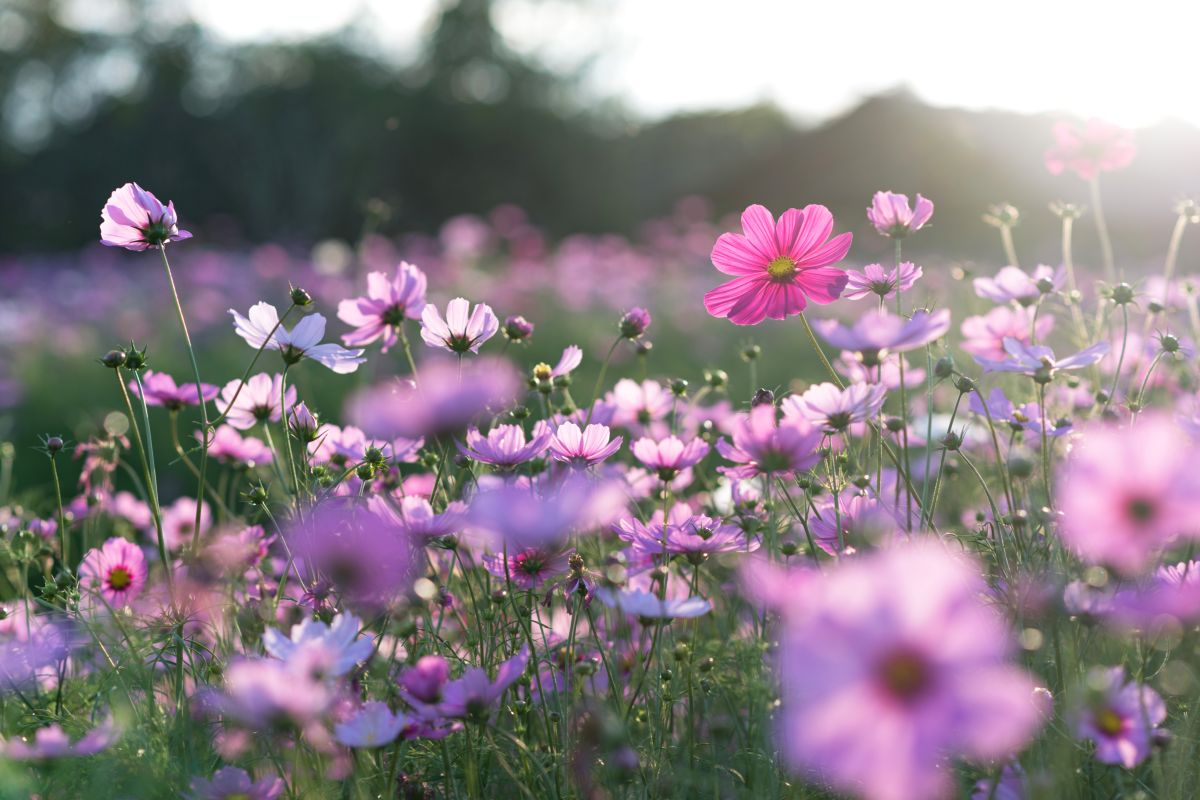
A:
(781, 269)
(1108, 721)
(119, 578)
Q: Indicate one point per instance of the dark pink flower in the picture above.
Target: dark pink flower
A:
(116, 572)
(134, 218)
(388, 303)
(162, 391)
(778, 267)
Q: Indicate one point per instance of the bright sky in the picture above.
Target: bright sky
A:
(1129, 64)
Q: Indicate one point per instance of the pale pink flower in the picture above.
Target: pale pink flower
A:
(388, 303)
(833, 409)
(984, 336)
(463, 330)
(587, 448)
(669, 456)
(134, 218)
(1090, 149)
(257, 402)
(880, 281)
(890, 214)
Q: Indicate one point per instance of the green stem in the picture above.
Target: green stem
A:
(151, 488)
(62, 517)
(1106, 250)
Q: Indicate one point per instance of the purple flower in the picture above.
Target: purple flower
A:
(669, 456)
(1039, 362)
(1014, 785)
(530, 567)
(425, 680)
(635, 323)
(1013, 284)
(878, 280)
(878, 331)
(261, 328)
(53, 742)
(762, 447)
(521, 517)
(583, 449)
(339, 639)
(1121, 718)
(891, 216)
(833, 409)
(518, 328)
(256, 402)
(458, 332)
(162, 391)
(505, 446)
(474, 695)
(231, 783)
(415, 517)
(388, 303)
(134, 218)
(373, 725)
(646, 605)
(905, 664)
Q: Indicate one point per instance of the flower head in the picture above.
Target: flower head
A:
(669, 456)
(763, 448)
(1121, 718)
(340, 639)
(646, 605)
(256, 402)
(231, 783)
(134, 218)
(474, 694)
(261, 328)
(984, 336)
(878, 280)
(505, 445)
(1013, 284)
(389, 301)
(373, 725)
(833, 409)
(585, 448)
(115, 572)
(778, 266)
(161, 391)
(1040, 362)
(463, 330)
(879, 332)
(1090, 149)
(890, 214)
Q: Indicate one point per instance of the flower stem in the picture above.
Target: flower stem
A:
(151, 488)
(1106, 250)
(600, 381)
(62, 517)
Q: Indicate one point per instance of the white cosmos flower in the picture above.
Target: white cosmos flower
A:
(259, 329)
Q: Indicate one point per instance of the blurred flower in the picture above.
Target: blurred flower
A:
(340, 639)
(416, 518)
(1121, 718)
(179, 522)
(257, 401)
(833, 409)
(1013, 785)
(778, 266)
(1040, 362)
(520, 517)
(984, 335)
(1090, 149)
(639, 404)
(231, 783)
(583, 449)
(53, 742)
(878, 331)
(261, 328)
(162, 391)
(891, 216)
(116, 572)
(761, 447)
(1125, 494)
(529, 567)
(505, 446)
(458, 333)
(134, 218)
(1013, 284)
(645, 605)
(518, 328)
(878, 280)
(474, 695)
(373, 725)
(388, 303)
(905, 664)
(634, 323)
(230, 447)
(425, 680)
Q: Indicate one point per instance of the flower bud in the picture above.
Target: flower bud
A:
(964, 384)
(300, 297)
(716, 378)
(643, 347)
(1045, 285)
(679, 387)
(634, 323)
(364, 472)
(951, 441)
(53, 444)
(113, 359)
(944, 367)
(763, 397)
(135, 359)
(303, 423)
(751, 352)
(518, 329)
(1122, 294)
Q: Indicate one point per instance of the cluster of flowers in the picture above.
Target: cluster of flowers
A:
(478, 574)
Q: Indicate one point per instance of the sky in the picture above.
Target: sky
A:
(1129, 64)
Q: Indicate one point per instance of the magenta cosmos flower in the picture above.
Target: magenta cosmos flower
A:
(669, 456)
(116, 572)
(505, 445)
(585, 448)
(230, 447)
(879, 280)
(877, 332)
(162, 391)
(134, 218)
(1121, 718)
(890, 214)
(1090, 149)
(463, 330)
(1125, 494)
(261, 328)
(833, 410)
(761, 447)
(778, 267)
(388, 303)
(231, 783)
(905, 665)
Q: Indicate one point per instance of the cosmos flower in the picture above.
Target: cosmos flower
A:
(646, 605)
(583, 449)
(425, 680)
(905, 665)
(1121, 718)
(1015, 285)
(232, 783)
(1090, 149)
(1019, 418)
(230, 447)
(116, 572)
(884, 369)
(162, 391)
(1126, 494)
(1038, 361)
(639, 405)
(761, 447)
(373, 725)
(416, 518)
(179, 522)
(879, 332)
(134, 218)
(528, 568)
(505, 445)
(458, 332)
(778, 266)
(670, 455)
(634, 323)
(881, 281)
(833, 410)
(257, 402)
(474, 695)
(261, 328)
(388, 302)
(983, 336)
(890, 214)
(516, 516)
(53, 742)
(340, 639)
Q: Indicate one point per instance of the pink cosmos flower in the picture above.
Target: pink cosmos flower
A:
(778, 267)
(880, 332)
(415, 517)
(516, 516)
(859, 521)
(583, 449)
(116, 572)
(261, 328)
(1121, 718)
(1090, 149)
(474, 695)
(134, 218)
(881, 281)
(425, 680)
(1126, 494)
(638, 405)
(1013, 284)
(505, 445)
(529, 567)
(230, 447)
(834, 410)
(373, 725)
(458, 332)
(388, 303)
(646, 605)
(984, 336)
(853, 367)
(340, 639)
(179, 522)
(53, 742)
(891, 216)
(905, 665)
(162, 391)
(231, 783)
(256, 403)
(263, 693)
(669, 456)
(761, 447)
(1038, 361)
